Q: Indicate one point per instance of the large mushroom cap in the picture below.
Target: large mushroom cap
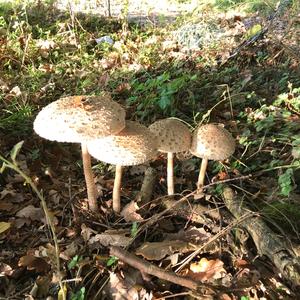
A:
(212, 142)
(134, 145)
(80, 118)
(173, 136)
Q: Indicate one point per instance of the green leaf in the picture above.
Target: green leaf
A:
(75, 260)
(134, 229)
(3, 167)
(285, 182)
(79, 295)
(111, 261)
(15, 151)
(164, 102)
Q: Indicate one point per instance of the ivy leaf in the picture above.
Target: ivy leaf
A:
(111, 261)
(285, 182)
(75, 260)
(15, 151)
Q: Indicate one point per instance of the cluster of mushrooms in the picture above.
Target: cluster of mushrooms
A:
(98, 124)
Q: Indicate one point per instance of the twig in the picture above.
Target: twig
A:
(147, 187)
(148, 268)
(213, 239)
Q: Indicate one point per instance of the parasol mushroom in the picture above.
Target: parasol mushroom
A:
(211, 142)
(173, 136)
(134, 145)
(78, 119)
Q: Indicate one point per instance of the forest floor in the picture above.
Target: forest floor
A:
(237, 240)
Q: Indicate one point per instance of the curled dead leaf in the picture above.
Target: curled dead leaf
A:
(5, 270)
(205, 269)
(129, 212)
(34, 263)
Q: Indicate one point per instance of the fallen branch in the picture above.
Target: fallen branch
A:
(148, 268)
(267, 242)
(146, 192)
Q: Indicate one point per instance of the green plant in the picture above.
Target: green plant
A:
(13, 165)
(285, 182)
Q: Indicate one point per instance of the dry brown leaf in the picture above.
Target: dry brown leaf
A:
(205, 269)
(70, 251)
(86, 232)
(159, 250)
(34, 263)
(192, 234)
(129, 212)
(11, 195)
(41, 287)
(5, 270)
(126, 288)
(31, 212)
(18, 223)
(111, 238)
(6, 206)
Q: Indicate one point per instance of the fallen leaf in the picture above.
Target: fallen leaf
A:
(5, 270)
(192, 234)
(129, 212)
(31, 212)
(41, 287)
(205, 269)
(4, 226)
(159, 250)
(34, 263)
(111, 238)
(70, 251)
(6, 206)
(86, 232)
(127, 286)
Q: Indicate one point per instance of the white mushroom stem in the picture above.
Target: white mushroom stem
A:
(170, 174)
(117, 189)
(89, 178)
(202, 173)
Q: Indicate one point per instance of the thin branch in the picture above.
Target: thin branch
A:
(148, 268)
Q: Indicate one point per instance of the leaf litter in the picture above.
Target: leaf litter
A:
(231, 262)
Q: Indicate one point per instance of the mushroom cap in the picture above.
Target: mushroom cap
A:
(173, 135)
(212, 142)
(134, 145)
(80, 118)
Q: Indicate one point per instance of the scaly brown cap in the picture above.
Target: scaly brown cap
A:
(173, 135)
(212, 142)
(134, 145)
(80, 118)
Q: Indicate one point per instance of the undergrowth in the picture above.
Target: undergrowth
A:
(46, 54)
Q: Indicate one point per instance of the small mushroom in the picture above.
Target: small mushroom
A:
(173, 136)
(77, 119)
(134, 145)
(211, 142)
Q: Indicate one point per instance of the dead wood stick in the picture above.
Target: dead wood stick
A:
(267, 242)
(146, 192)
(148, 268)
